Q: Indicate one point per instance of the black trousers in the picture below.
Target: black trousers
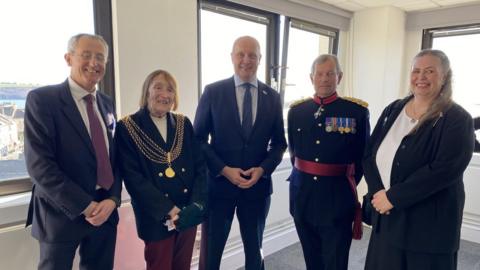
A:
(251, 215)
(382, 255)
(96, 251)
(325, 247)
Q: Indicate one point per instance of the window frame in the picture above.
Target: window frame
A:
(304, 25)
(454, 30)
(250, 14)
(102, 16)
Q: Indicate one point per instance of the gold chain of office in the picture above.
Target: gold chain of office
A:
(152, 150)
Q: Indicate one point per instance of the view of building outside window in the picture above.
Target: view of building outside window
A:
(32, 57)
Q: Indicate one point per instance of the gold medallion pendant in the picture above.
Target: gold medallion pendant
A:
(169, 172)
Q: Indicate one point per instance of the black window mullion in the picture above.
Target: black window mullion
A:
(103, 26)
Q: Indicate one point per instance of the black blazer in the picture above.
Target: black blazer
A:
(61, 163)
(426, 180)
(153, 195)
(217, 117)
(476, 123)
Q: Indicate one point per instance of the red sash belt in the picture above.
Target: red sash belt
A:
(348, 170)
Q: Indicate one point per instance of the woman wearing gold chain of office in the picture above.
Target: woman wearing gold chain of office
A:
(164, 172)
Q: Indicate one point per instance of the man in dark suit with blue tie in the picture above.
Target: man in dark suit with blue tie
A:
(68, 150)
(243, 118)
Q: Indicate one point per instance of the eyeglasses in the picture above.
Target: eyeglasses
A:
(87, 56)
(329, 74)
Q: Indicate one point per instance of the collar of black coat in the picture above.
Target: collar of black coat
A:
(325, 100)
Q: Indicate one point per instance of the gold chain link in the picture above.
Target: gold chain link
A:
(149, 148)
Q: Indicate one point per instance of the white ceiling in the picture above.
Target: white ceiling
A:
(406, 5)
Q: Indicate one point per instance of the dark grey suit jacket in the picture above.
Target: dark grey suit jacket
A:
(61, 163)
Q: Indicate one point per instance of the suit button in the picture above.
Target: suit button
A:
(166, 195)
(315, 178)
(185, 190)
(403, 146)
(317, 141)
(316, 159)
(319, 124)
(299, 129)
(183, 169)
(397, 163)
(160, 174)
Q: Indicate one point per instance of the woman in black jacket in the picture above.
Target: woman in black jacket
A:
(165, 174)
(414, 168)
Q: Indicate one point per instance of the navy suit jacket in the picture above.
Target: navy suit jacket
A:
(217, 117)
(61, 163)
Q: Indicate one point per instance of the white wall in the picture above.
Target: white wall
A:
(378, 39)
(153, 34)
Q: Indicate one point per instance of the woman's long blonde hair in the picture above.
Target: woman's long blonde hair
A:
(444, 99)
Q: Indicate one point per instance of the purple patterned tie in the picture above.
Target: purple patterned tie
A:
(104, 168)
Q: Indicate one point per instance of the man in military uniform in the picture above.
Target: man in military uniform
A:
(327, 135)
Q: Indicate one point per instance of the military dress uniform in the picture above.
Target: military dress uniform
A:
(327, 137)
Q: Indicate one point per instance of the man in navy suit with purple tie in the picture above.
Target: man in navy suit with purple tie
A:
(69, 155)
(243, 119)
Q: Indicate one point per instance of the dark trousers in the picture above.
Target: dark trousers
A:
(96, 251)
(173, 253)
(325, 247)
(382, 255)
(251, 215)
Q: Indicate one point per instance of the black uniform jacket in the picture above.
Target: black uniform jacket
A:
(427, 189)
(61, 162)
(326, 200)
(153, 194)
(476, 123)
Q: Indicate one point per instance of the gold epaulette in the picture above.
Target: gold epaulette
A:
(300, 101)
(357, 101)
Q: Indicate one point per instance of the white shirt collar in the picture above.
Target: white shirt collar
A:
(239, 82)
(77, 91)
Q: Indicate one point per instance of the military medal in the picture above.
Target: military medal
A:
(347, 126)
(334, 122)
(318, 112)
(328, 124)
(169, 172)
(340, 128)
(354, 124)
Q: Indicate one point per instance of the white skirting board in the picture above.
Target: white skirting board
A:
(276, 237)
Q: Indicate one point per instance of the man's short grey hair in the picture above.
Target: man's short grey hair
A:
(324, 58)
(73, 41)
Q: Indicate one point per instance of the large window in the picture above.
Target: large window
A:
(302, 43)
(297, 43)
(220, 25)
(461, 44)
(34, 41)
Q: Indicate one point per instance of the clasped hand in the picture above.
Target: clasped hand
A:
(237, 176)
(98, 212)
(381, 203)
